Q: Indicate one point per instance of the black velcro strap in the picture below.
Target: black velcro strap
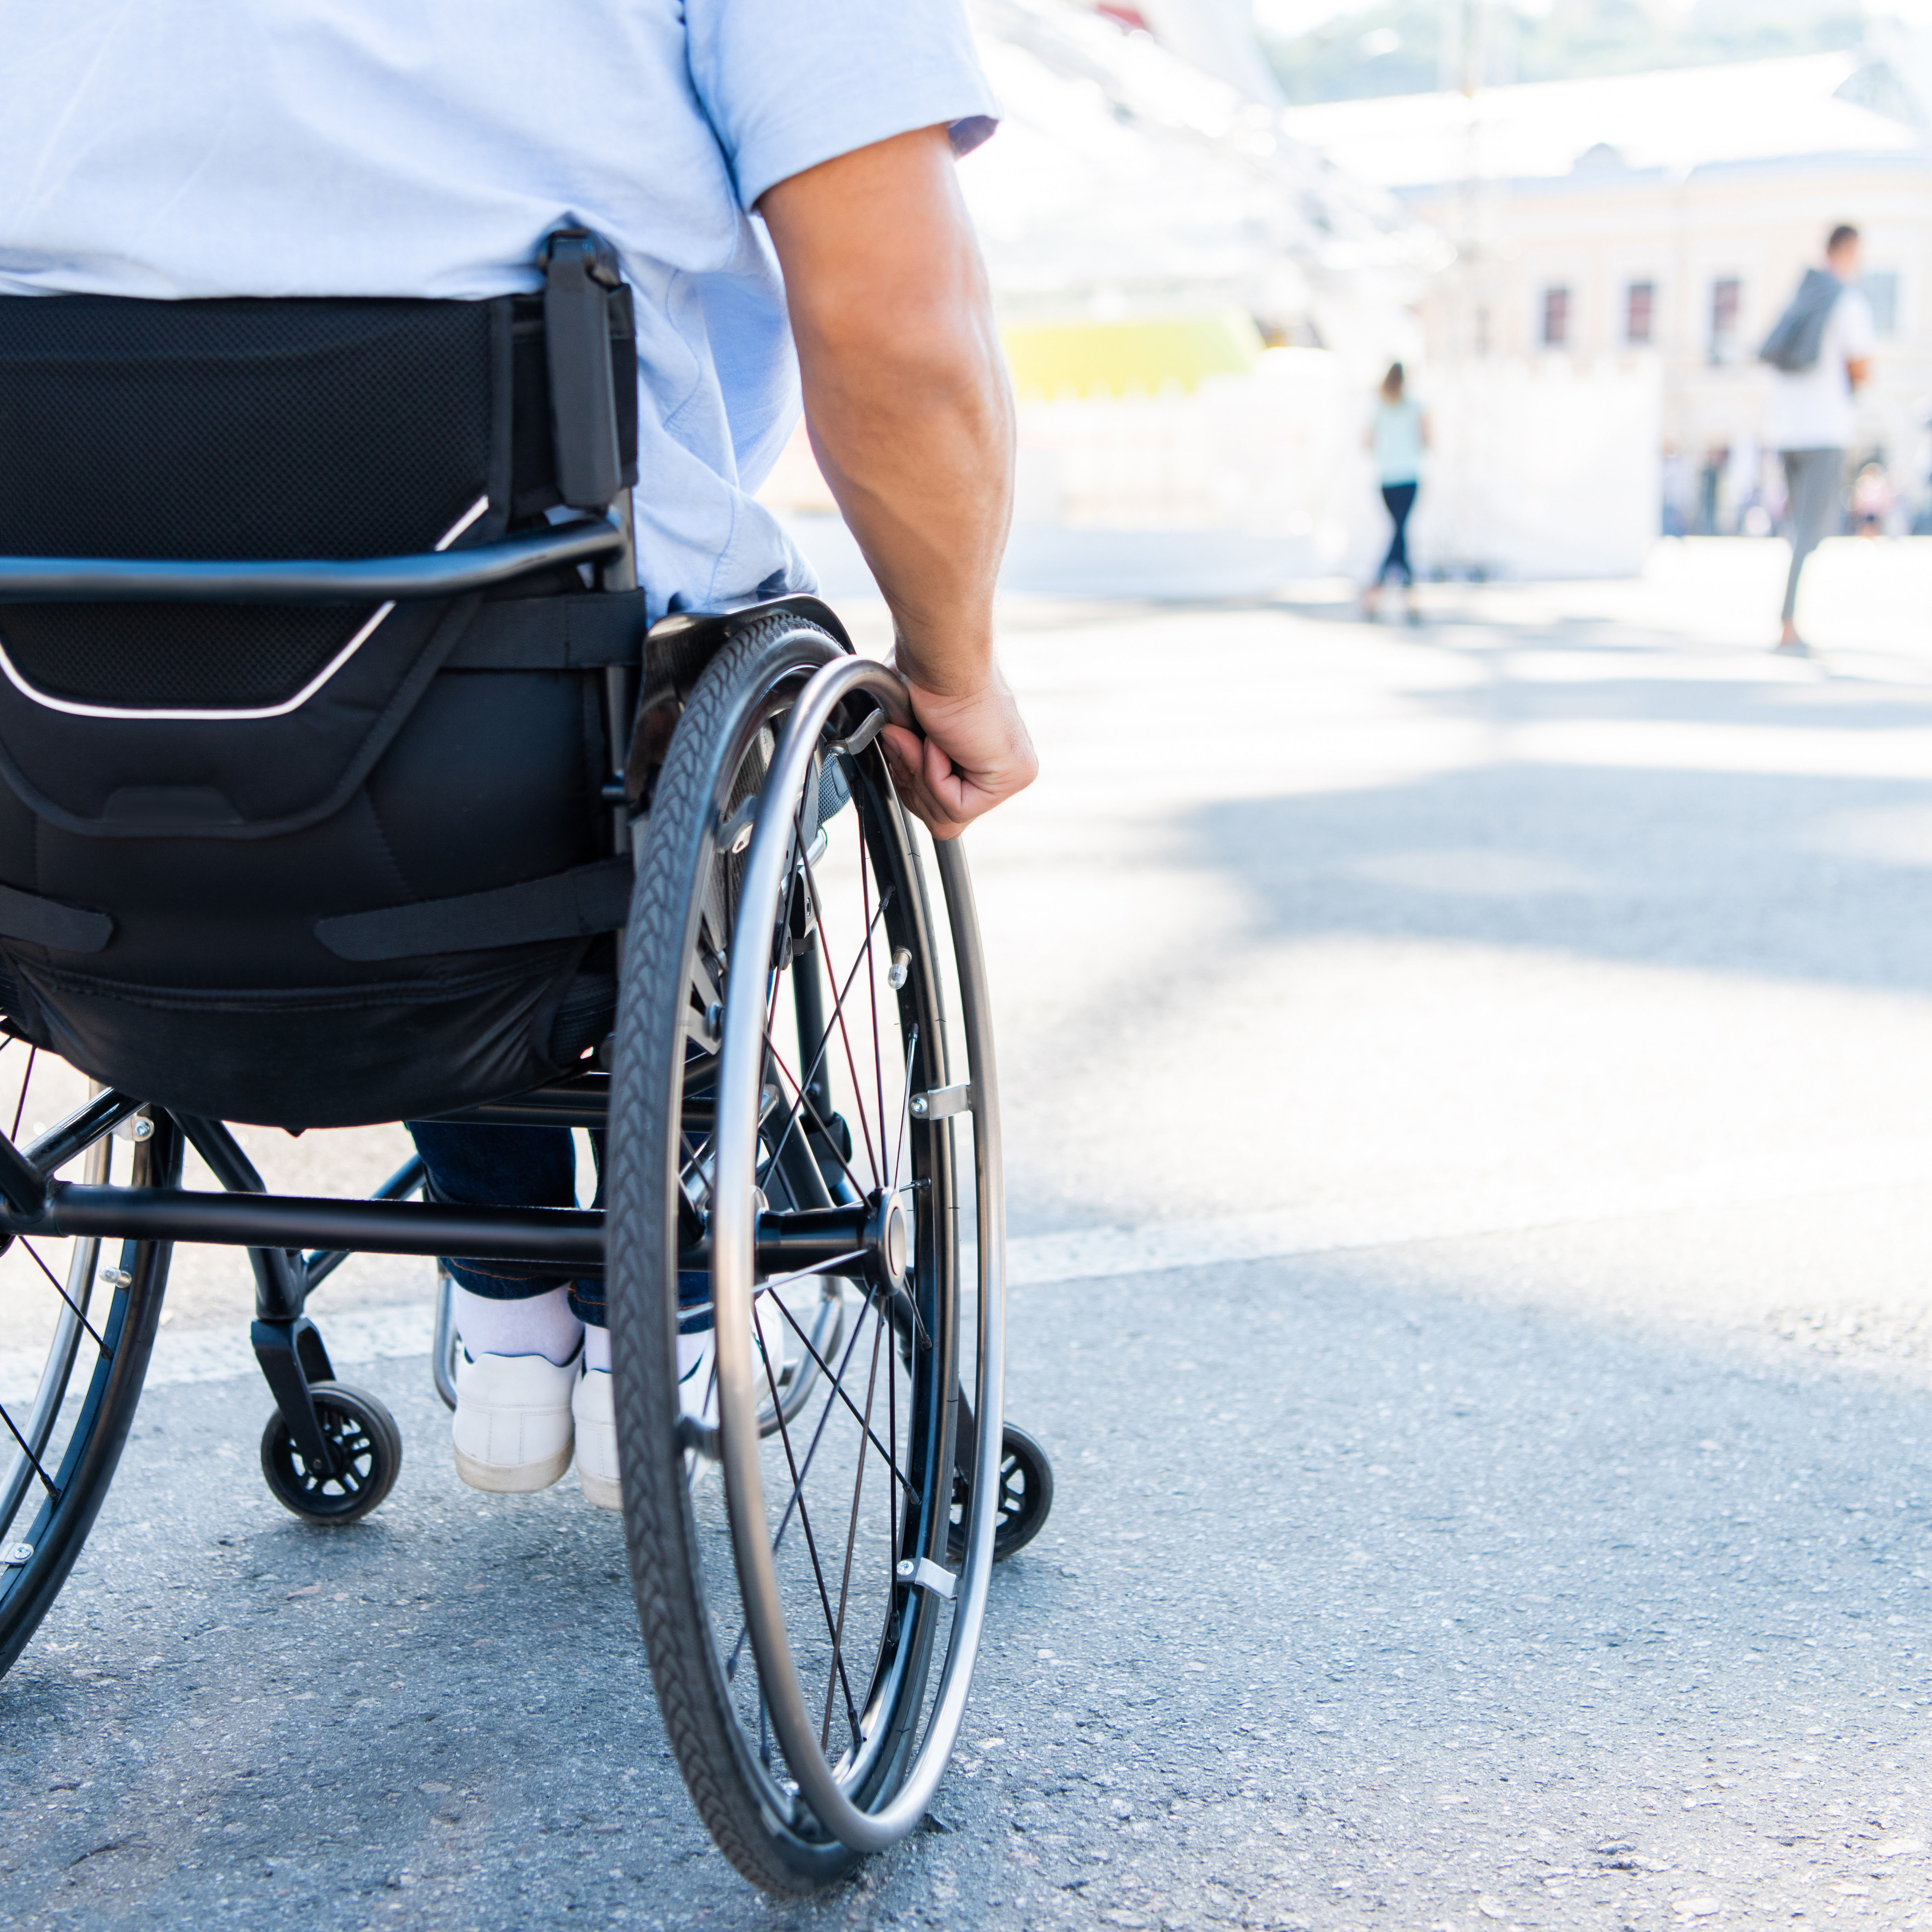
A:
(67, 928)
(575, 905)
(554, 633)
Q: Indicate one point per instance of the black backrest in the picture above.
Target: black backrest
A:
(242, 429)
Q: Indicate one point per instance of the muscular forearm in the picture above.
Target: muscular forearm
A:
(905, 391)
(911, 418)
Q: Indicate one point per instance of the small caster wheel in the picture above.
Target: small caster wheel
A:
(1026, 1495)
(363, 1435)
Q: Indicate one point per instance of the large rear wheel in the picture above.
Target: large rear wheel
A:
(786, 1163)
(77, 1323)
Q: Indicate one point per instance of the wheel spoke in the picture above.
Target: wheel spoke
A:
(798, 1477)
(838, 1385)
(851, 1543)
(858, 1091)
(46, 1481)
(811, 1545)
(817, 1269)
(14, 1132)
(824, 1041)
(696, 1155)
(779, 1281)
(872, 1003)
(892, 1495)
(802, 1101)
(34, 1256)
(864, 958)
(817, 1436)
(905, 1110)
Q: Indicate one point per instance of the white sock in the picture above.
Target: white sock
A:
(596, 1348)
(537, 1325)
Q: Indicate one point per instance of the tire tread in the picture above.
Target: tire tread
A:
(701, 1729)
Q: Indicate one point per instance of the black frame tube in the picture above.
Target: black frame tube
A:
(23, 1176)
(281, 1287)
(318, 1266)
(81, 1129)
(572, 1236)
(567, 1238)
(105, 580)
(581, 1100)
(22, 1185)
(278, 1227)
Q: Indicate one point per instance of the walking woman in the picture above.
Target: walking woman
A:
(1398, 436)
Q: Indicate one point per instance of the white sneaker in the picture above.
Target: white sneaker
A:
(512, 1429)
(696, 1356)
(592, 1403)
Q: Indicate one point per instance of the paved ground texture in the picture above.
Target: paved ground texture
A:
(1469, 1133)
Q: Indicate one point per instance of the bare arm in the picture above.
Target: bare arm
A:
(1858, 370)
(911, 416)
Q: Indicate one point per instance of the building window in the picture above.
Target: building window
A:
(1556, 317)
(1726, 300)
(1640, 311)
(1881, 289)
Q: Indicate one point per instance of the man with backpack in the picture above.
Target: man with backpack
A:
(1820, 355)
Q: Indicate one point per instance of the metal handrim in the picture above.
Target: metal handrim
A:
(735, 1180)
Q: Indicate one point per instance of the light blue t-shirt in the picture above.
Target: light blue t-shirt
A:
(1398, 441)
(188, 148)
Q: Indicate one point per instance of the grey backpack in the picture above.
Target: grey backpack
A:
(1799, 333)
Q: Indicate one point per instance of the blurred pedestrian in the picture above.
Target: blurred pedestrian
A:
(1399, 436)
(1871, 500)
(1679, 487)
(1820, 354)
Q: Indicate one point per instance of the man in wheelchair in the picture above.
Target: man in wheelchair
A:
(381, 282)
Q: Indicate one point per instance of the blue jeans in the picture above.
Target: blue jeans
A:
(1398, 498)
(510, 1167)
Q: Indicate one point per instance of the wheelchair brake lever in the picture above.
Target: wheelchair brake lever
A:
(892, 705)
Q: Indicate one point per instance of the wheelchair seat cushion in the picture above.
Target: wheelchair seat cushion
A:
(191, 790)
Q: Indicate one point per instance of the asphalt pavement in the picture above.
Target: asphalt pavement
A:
(1467, 1114)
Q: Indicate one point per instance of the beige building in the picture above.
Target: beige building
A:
(1667, 217)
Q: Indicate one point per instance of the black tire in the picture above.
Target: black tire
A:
(363, 1432)
(682, 1574)
(1026, 1497)
(101, 1390)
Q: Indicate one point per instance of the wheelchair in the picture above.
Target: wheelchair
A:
(344, 782)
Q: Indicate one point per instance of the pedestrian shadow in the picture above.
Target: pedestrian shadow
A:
(1817, 878)
(1639, 682)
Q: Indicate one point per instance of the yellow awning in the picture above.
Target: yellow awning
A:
(1117, 358)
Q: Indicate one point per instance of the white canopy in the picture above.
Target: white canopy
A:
(1125, 180)
(1678, 119)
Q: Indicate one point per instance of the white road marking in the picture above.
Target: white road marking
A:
(401, 1330)
(1444, 1214)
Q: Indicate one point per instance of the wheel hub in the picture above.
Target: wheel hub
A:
(889, 1236)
